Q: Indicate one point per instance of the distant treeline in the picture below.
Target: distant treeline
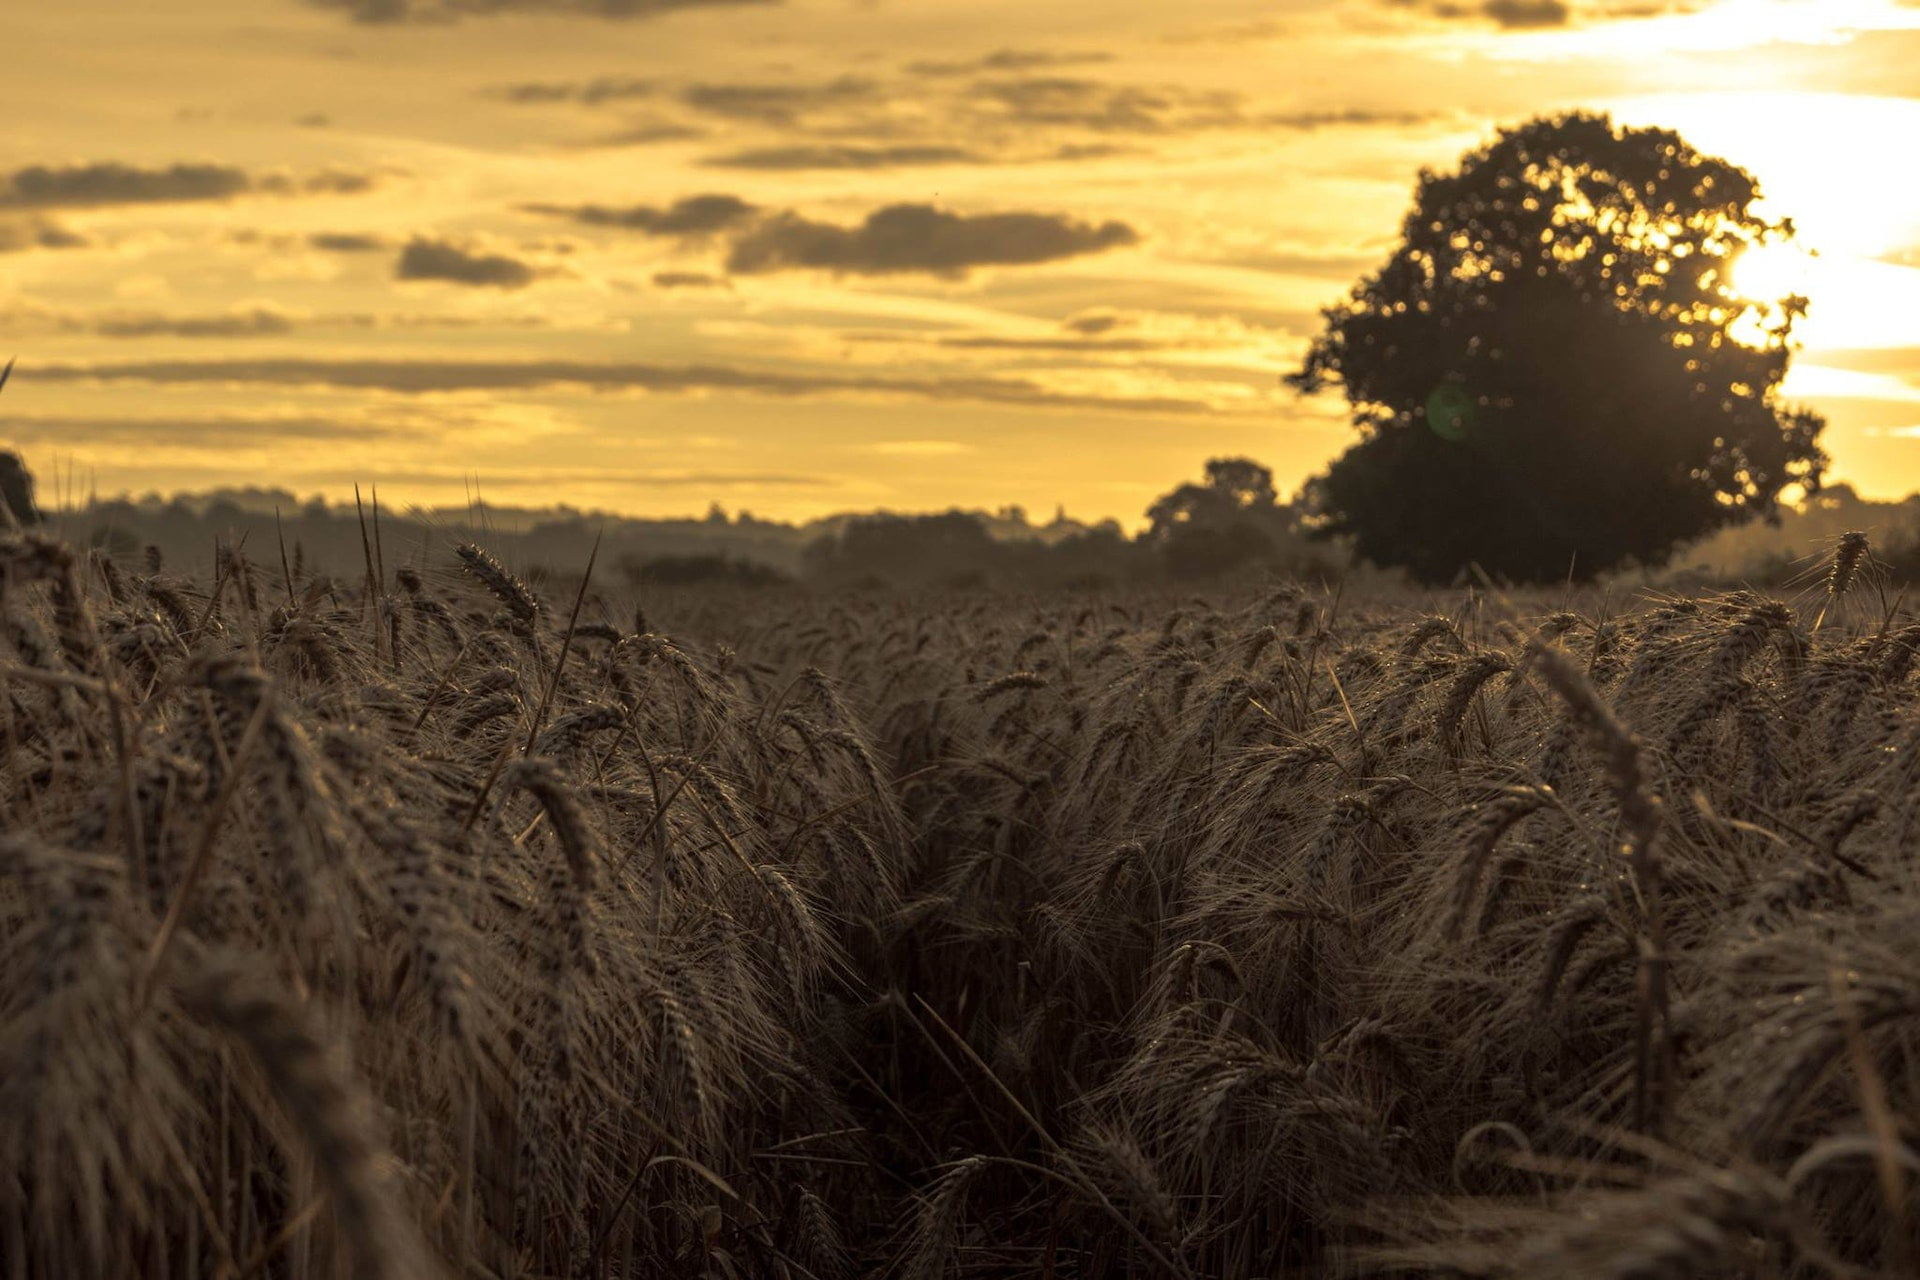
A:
(1229, 525)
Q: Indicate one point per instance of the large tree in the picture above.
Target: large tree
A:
(1555, 373)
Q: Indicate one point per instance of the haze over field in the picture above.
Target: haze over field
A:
(825, 255)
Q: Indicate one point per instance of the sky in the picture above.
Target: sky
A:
(805, 256)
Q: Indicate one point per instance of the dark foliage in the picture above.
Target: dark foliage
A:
(700, 571)
(1230, 522)
(1545, 373)
(16, 489)
(16, 482)
(957, 550)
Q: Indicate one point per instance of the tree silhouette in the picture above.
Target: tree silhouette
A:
(1554, 372)
(1232, 519)
(16, 488)
(16, 482)
(1234, 487)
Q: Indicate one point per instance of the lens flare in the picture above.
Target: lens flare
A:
(1450, 412)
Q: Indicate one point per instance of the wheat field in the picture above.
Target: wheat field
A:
(419, 925)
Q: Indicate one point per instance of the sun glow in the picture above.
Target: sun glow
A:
(1811, 153)
(1771, 272)
(1769, 276)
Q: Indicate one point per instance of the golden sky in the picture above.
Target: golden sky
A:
(819, 255)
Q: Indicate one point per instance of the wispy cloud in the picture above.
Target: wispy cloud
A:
(428, 259)
(1003, 60)
(377, 12)
(167, 431)
(921, 238)
(1509, 15)
(1100, 333)
(1328, 264)
(31, 318)
(590, 92)
(22, 233)
(252, 322)
(1032, 101)
(689, 280)
(692, 216)
(779, 103)
(1550, 15)
(897, 239)
(418, 377)
(346, 241)
(844, 156)
(106, 183)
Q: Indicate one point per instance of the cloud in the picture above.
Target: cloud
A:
(1056, 101)
(90, 185)
(688, 280)
(423, 377)
(106, 183)
(897, 156)
(1010, 60)
(28, 317)
(648, 132)
(1349, 118)
(1508, 15)
(778, 103)
(591, 92)
(1901, 362)
(1099, 332)
(1317, 264)
(1523, 14)
(691, 216)
(425, 259)
(1088, 151)
(378, 12)
(1095, 321)
(328, 182)
(920, 238)
(1001, 342)
(17, 235)
(346, 242)
(844, 157)
(1102, 107)
(171, 431)
(253, 322)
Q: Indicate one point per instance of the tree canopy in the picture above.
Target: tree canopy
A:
(1555, 372)
(1234, 488)
(1231, 520)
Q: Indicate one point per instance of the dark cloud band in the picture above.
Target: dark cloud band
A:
(906, 238)
(693, 216)
(1508, 15)
(377, 12)
(778, 103)
(425, 259)
(421, 377)
(105, 183)
(843, 157)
